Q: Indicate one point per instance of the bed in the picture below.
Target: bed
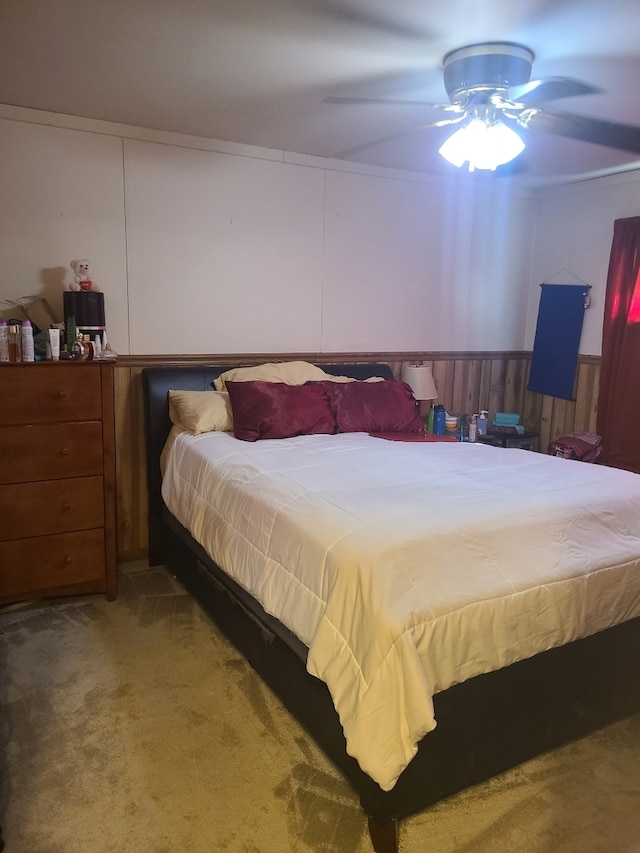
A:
(463, 717)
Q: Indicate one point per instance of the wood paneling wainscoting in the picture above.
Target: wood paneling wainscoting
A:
(466, 382)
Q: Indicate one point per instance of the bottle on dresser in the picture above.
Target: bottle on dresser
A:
(15, 342)
(27, 341)
(4, 340)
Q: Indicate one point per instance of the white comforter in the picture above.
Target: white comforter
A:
(409, 567)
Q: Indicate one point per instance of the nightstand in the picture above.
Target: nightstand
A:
(525, 440)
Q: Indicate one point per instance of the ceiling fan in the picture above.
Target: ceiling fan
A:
(492, 98)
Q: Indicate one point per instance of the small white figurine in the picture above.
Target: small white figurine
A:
(82, 279)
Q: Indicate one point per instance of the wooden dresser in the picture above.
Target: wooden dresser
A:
(57, 480)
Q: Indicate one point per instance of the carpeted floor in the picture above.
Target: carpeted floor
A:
(133, 726)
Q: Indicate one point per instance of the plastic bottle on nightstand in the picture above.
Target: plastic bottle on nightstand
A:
(462, 427)
(27, 341)
(439, 416)
(483, 422)
(430, 419)
(473, 428)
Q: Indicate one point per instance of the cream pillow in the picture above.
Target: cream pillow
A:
(289, 372)
(332, 378)
(201, 411)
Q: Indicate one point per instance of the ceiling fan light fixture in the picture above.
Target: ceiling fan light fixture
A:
(496, 64)
(483, 144)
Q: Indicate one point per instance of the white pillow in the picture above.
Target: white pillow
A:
(201, 411)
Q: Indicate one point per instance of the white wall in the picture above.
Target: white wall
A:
(209, 247)
(574, 229)
(224, 252)
(410, 266)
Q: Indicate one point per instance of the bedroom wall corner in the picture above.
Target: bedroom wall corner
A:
(574, 229)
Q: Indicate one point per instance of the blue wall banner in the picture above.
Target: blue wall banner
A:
(557, 340)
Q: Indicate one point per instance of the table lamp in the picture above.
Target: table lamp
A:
(420, 380)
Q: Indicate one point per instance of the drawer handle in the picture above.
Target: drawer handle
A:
(68, 560)
(65, 451)
(62, 393)
(66, 507)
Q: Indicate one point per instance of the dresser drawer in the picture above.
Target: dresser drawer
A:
(42, 393)
(54, 506)
(31, 566)
(51, 451)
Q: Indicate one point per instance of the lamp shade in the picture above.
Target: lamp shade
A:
(482, 144)
(420, 379)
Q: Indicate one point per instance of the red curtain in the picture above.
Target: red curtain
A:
(619, 399)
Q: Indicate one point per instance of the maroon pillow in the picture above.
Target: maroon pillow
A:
(276, 410)
(387, 406)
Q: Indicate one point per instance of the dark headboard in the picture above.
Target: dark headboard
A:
(158, 381)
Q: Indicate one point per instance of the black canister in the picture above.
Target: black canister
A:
(87, 309)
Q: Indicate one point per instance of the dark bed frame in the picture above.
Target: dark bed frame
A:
(485, 725)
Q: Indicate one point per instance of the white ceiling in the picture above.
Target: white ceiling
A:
(257, 71)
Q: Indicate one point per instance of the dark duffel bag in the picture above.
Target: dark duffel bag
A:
(585, 446)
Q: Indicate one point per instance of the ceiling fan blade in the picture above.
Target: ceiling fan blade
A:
(349, 152)
(391, 102)
(330, 12)
(381, 140)
(625, 137)
(550, 89)
(445, 122)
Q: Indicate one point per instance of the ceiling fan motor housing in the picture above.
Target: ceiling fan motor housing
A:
(499, 64)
